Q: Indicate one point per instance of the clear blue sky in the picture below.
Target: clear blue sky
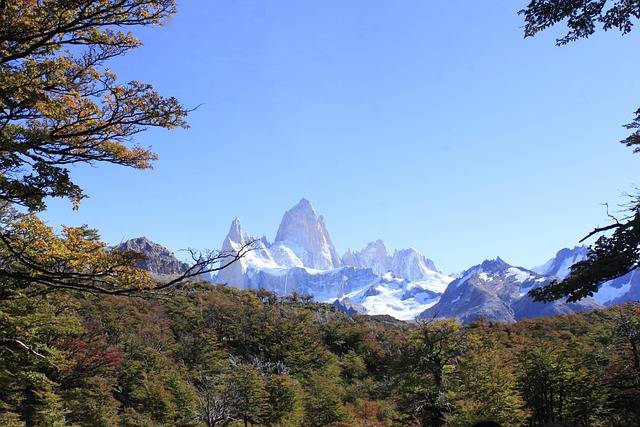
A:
(430, 124)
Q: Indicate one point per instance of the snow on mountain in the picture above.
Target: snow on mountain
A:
(398, 297)
(615, 291)
(560, 265)
(406, 263)
(497, 291)
(259, 258)
(303, 259)
(404, 285)
(304, 233)
(411, 264)
(374, 256)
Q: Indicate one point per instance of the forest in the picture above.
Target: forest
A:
(88, 338)
(211, 355)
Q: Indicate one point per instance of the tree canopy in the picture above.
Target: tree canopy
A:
(60, 104)
(616, 254)
(581, 16)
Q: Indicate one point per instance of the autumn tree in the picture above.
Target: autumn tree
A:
(614, 255)
(485, 385)
(60, 105)
(622, 373)
(432, 355)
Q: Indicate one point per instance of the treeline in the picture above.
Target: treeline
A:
(209, 355)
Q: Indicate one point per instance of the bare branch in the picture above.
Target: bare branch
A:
(23, 346)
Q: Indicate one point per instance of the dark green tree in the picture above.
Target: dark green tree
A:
(252, 404)
(283, 394)
(323, 400)
(426, 371)
(614, 255)
(582, 17)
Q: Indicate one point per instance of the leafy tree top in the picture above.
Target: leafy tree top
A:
(60, 104)
(614, 255)
(581, 16)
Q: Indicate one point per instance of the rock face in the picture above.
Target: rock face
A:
(374, 256)
(497, 291)
(405, 263)
(617, 291)
(158, 259)
(411, 264)
(234, 273)
(306, 235)
(560, 265)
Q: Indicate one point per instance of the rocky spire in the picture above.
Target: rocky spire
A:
(311, 241)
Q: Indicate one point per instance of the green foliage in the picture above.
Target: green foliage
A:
(581, 17)
(432, 357)
(92, 403)
(252, 399)
(60, 105)
(323, 398)
(283, 397)
(128, 361)
(485, 386)
(615, 255)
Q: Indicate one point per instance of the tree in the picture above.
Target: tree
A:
(622, 373)
(59, 104)
(323, 401)
(581, 17)
(543, 381)
(283, 392)
(433, 353)
(609, 258)
(615, 255)
(485, 386)
(252, 406)
(238, 394)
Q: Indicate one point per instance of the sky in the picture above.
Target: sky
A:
(424, 123)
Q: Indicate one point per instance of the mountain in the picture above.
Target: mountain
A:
(158, 259)
(411, 264)
(617, 291)
(405, 284)
(399, 297)
(374, 256)
(497, 291)
(560, 265)
(303, 259)
(304, 233)
(406, 263)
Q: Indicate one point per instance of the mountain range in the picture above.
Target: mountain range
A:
(403, 284)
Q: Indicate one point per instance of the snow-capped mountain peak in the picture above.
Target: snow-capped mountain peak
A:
(306, 234)
(304, 259)
(560, 265)
(615, 291)
(496, 290)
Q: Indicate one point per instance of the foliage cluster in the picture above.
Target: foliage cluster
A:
(618, 253)
(216, 356)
